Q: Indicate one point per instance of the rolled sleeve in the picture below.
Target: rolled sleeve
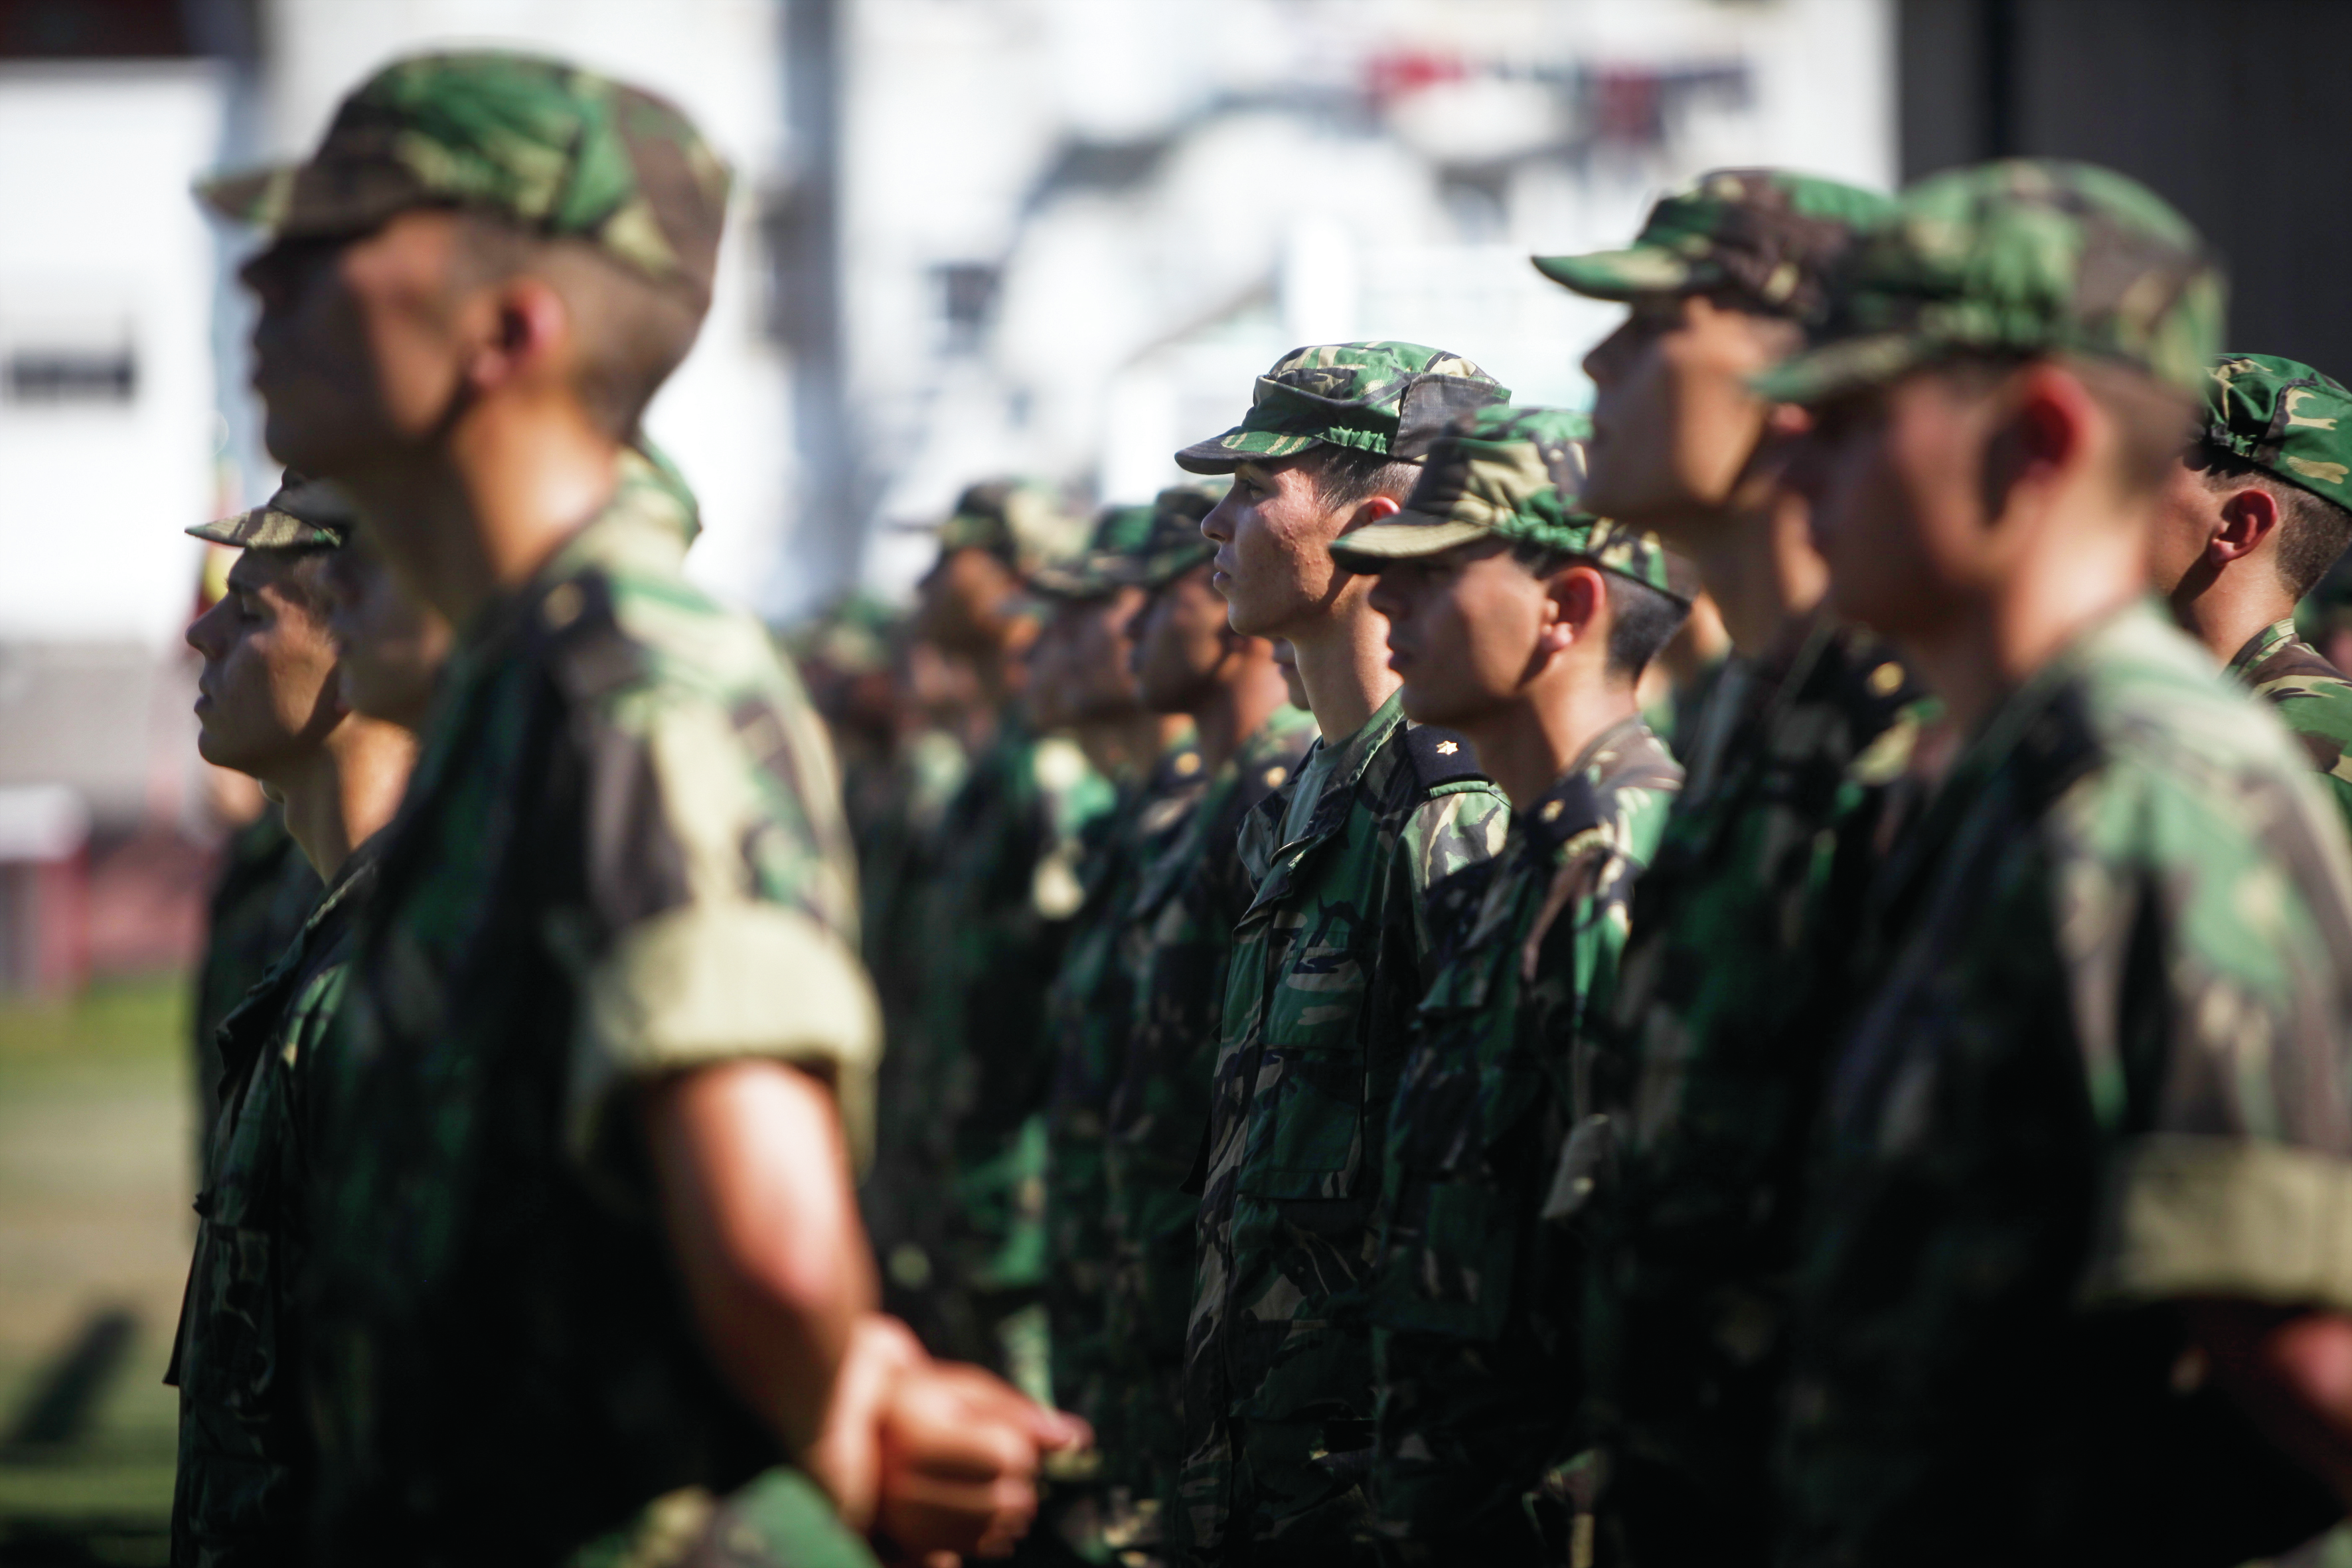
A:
(2188, 1215)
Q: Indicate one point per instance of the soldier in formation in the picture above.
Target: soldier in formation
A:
(1410, 1110)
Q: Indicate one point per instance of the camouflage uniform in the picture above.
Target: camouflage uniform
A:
(1732, 978)
(2100, 1062)
(1328, 962)
(243, 1488)
(620, 857)
(265, 892)
(1475, 1304)
(2291, 421)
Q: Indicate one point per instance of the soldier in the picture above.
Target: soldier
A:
(389, 646)
(1730, 978)
(1328, 962)
(1189, 897)
(2252, 520)
(584, 1266)
(2075, 1237)
(268, 707)
(1524, 623)
(265, 891)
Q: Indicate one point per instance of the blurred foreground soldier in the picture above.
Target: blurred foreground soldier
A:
(1004, 888)
(389, 646)
(2254, 518)
(269, 706)
(1329, 961)
(587, 1278)
(1189, 897)
(1734, 972)
(1524, 625)
(2075, 1240)
(1090, 1010)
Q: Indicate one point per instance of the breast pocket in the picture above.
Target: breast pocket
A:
(1455, 1233)
(1307, 1107)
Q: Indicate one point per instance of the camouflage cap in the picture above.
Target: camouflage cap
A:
(1119, 533)
(1175, 544)
(2283, 417)
(1772, 236)
(854, 635)
(1387, 397)
(1021, 522)
(1508, 473)
(2023, 257)
(304, 514)
(563, 152)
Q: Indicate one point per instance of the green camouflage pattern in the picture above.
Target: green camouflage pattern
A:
(1730, 992)
(2027, 255)
(1021, 522)
(301, 514)
(1381, 397)
(2099, 1065)
(1770, 238)
(620, 855)
(1187, 903)
(2313, 699)
(560, 150)
(1101, 566)
(241, 1493)
(264, 894)
(1508, 473)
(1476, 1301)
(1175, 543)
(1089, 1013)
(2283, 417)
(1328, 962)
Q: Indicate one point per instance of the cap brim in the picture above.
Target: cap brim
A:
(267, 528)
(1158, 571)
(314, 201)
(1815, 375)
(1405, 541)
(1620, 275)
(1238, 446)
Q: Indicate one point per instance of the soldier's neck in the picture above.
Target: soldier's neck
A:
(1250, 691)
(1343, 662)
(346, 791)
(1526, 746)
(1761, 570)
(2224, 609)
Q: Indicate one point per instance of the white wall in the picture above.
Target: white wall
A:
(104, 246)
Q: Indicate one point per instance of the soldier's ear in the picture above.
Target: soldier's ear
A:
(2248, 516)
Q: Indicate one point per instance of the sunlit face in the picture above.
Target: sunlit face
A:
(1273, 531)
(2188, 515)
(1102, 656)
(362, 344)
(962, 602)
(1182, 641)
(1673, 420)
(391, 645)
(1464, 630)
(268, 697)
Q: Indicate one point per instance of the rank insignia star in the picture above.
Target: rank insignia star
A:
(1447, 748)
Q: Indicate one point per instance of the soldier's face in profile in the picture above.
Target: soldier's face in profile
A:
(1273, 531)
(1180, 642)
(1464, 630)
(1100, 671)
(390, 645)
(961, 601)
(2188, 514)
(361, 342)
(1673, 422)
(267, 696)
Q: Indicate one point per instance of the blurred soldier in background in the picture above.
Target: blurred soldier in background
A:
(2075, 1229)
(2252, 520)
(587, 1274)
(1733, 975)
(389, 646)
(270, 706)
(1524, 623)
(1327, 962)
(1190, 894)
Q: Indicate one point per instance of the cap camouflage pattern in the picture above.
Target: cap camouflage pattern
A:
(1175, 544)
(854, 635)
(1508, 473)
(1387, 397)
(2283, 417)
(1119, 533)
(1774, 236)
(562, 150)
(2025, 257)
(1020, 522)
(304, 514)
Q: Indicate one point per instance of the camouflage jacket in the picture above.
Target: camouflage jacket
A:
(1328, 962)
(242, 1494)
(1475, 1304)
(2313, 697)
(2101, 1066)
(265, 892)
(620, 855)
(1089, 1014)
(1730, 985)
(1005, 891)
(1189, 900)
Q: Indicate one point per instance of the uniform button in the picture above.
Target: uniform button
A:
(1276, 774)
(562, 606)
(1553, 808)
(1886, 678)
